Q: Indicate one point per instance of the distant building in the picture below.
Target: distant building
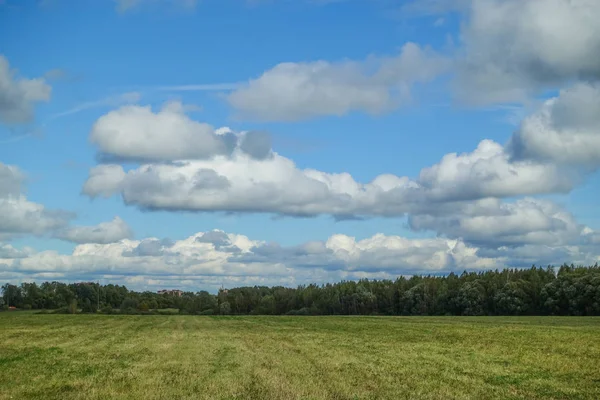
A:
(175, 292)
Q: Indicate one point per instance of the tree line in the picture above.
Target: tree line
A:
(570, 290)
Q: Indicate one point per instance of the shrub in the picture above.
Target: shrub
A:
(129, 306)
(225, 308)
(72, 308)
(210, 311)
(106, 310)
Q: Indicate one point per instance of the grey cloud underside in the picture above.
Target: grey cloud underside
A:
(103, 233)
(149, 248)
(9, 252)
(22, 217)
(217, 238)
(493, 224)
(18, 95)
(256, 144)
(19, 216)
(512, 49)
(11, 180)
(565, 131)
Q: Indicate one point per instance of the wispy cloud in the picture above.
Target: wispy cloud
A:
(111, 101)
(205, 87)
(124, 6)
(16, 138)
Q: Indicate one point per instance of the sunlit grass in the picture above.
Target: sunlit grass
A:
(192, 357)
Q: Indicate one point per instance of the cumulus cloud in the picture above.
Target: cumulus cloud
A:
(9, 252)
(137, 133)
(232, 258)
(566, 130)
(210, 259)
(19, 215)
(489, 172)
(393, 254)
(512, 48)
(294, 91)
(491, 223)
(11, 179)
(18, 95)
(552, 152)
(103, 233)
(240, 183)
(103, 180)
(149, 247)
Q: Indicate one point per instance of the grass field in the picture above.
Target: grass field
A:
(191, 357)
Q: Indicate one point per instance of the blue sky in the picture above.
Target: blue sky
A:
(359, 88)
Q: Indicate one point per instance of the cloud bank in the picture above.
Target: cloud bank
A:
(250, 177)
(214, 258)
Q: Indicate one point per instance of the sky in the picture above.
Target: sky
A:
(199, 144)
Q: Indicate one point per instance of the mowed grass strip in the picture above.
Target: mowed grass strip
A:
(255, 357)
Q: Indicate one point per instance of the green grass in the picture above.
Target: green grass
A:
(191, 357)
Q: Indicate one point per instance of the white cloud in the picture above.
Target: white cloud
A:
(11, 179)
(137, 133)
(566, 130)
(20, 216)
(9, 252)
(239, 183)
(104, 180)
(293, 91)
(491, 223)
(103, 233)
(18, 95)
(489, 172)
(234, 259)
(210, 259)
(511, 49)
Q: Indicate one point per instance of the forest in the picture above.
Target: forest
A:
(568, 290)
